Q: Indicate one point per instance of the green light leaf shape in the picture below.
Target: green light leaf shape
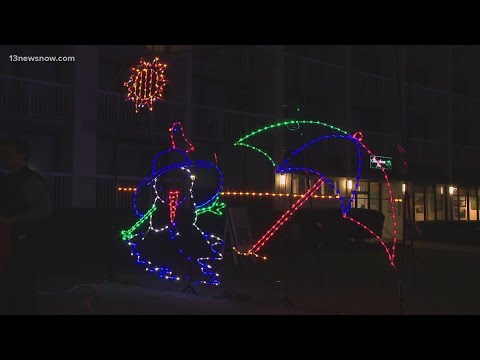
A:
(243, 140)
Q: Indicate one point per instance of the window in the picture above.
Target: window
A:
(462, 199)
(459, 204)
(374, 196)
(362, 201)
(430, 203)
(295, 185)
(419, 206)
(472, 205)
(385, 200)
(160, 49)
(327, 188)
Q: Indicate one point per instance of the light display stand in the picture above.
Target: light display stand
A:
(408, 224)
(284, 285)
(189, 289)
(408, 235)
(237, 234)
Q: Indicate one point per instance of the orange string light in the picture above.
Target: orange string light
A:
(254, 194)
(266, 194)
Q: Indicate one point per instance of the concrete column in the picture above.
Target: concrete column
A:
(63, 153)
(403, 93)
(179, 75)
(270, 95)
(348, 103)
(270, 90)
(450, 114)
(84, 129)
(449, 139)
(402, 138)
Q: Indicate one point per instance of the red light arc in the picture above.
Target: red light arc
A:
(295, 207)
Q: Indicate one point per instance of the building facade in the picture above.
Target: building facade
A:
(89, 141)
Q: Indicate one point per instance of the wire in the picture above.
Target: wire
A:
(97, 286)
(407, 216)
(87, 302)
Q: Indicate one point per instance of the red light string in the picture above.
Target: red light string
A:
(391, 254)
(358, 135)
(285, 217)
(375, 235)
(173, 202)
(178, 127)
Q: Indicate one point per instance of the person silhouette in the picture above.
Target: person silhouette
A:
(24, 205)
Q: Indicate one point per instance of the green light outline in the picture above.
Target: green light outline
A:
(127, 234)
(240, 142)
(290, 122)
(257, 149)
(215, 208)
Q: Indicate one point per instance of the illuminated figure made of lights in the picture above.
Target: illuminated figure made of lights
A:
(177, 248)
(146, 83)
(288, 166)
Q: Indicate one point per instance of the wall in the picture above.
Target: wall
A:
(105, 156)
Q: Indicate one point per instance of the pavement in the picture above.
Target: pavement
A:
(440, 279)
(121, 299)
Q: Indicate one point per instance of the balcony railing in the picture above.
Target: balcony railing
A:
(115, 111)
(46, 100)
(35, 99)
(60, 188)
(308, 73)
(425, 151)
(372, 85)
(380, 143)
(109, 197)
(466, 105)
(220, 125)
(230, 57)
(207, 122)
(427, 100)
(467, 155)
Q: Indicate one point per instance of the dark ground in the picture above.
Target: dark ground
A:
(328, 281)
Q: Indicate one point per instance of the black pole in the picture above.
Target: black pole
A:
(413, 230)
(403, 151)
(112, 265)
